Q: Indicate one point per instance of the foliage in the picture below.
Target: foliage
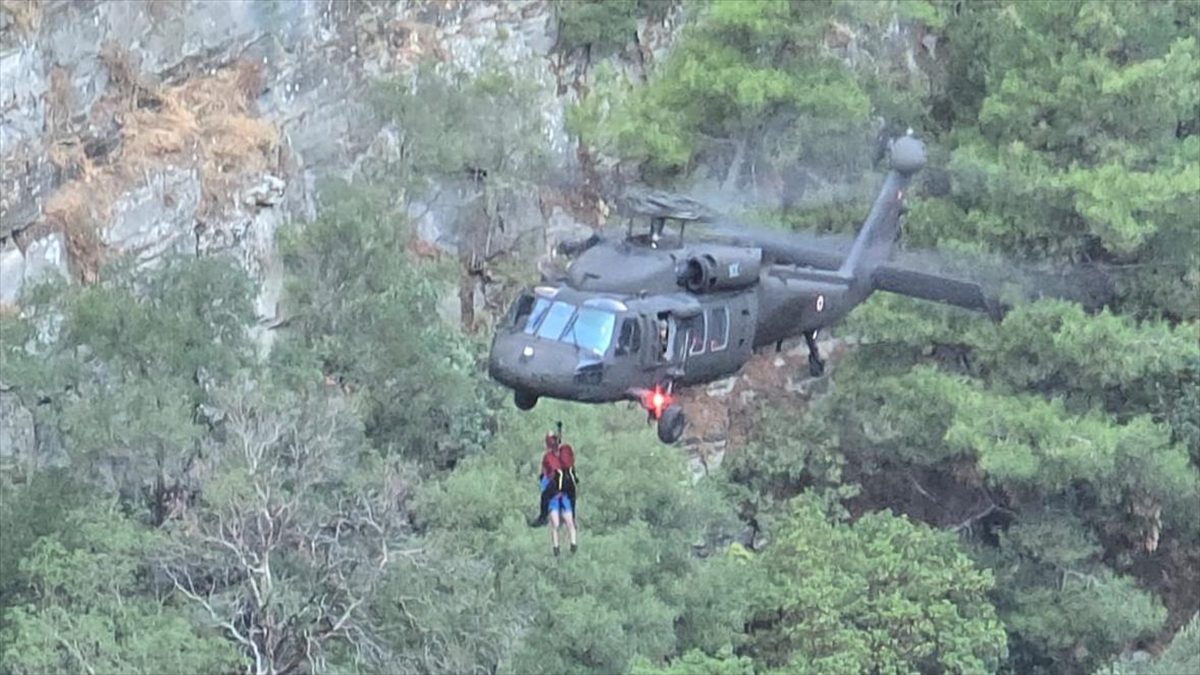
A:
(698, 663)
(28, 512)
(595, 25)
(1074, 136)
(93, 608)
(743, 68)
(1061, 605)
(357, 501)
(369, 319)
(122, 366)
(881, 594)
(441, 612)
(472, 139)
(632, 587)
(1181, 656)
(296, 526)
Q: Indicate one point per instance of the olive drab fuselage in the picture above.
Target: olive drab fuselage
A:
(661, 332)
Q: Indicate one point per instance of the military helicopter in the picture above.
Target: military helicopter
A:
(638, 318)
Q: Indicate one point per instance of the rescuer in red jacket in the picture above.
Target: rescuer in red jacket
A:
(557, 481)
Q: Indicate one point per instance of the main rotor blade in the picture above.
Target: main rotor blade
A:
(806, 249)
(641, 201)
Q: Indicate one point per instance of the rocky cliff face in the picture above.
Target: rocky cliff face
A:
(141, 128)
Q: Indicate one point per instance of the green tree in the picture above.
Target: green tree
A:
(92, 606)
(1074, 137)
(119, 370)
(879, 594)
(698, 663)
(1065, 610)
(368, 318)
(296, 526)
(595, 25)
(477, 134)
(1181, 656)
(742, 73)
(30, 510)
(635, 586)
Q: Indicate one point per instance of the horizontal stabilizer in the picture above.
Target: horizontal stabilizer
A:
(926, 286)
(990, 284)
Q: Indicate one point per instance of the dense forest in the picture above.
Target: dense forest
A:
(965, 496)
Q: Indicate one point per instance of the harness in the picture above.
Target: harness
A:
(561, 474)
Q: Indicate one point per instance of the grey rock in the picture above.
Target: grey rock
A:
(25, 174)
(158, 217)
(562, 227)
(44, 257)
(268, 192)
(12, 273)
(22, 89)
(806, 386)
(722, 388)
(17, 435)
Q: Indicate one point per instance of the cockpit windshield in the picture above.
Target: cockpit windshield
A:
(589, 328)
(535, 314)
(556, 320)
(592, 329)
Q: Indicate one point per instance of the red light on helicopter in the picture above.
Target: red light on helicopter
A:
(656, 401)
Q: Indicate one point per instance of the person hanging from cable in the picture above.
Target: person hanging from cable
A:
(558, 488)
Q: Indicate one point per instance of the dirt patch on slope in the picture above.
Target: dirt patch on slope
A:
(208, 123)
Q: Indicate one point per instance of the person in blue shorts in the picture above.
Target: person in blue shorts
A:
(557, 483)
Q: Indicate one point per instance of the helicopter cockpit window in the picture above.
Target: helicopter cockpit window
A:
(630, 338)
(592, 329)
(538, 311)
(557, 316)
(521, 309)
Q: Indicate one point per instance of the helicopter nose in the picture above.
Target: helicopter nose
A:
(537, 366)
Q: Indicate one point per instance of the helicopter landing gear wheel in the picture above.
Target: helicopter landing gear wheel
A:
(524, 400)
(816, 367)
(670, 425)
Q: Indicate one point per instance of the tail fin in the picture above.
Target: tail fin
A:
(874, 241)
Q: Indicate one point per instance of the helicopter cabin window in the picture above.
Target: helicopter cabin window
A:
(695, 331)
(535, 314)
(630, 338)
(718, 328)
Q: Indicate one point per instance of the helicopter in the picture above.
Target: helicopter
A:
(638, 318)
